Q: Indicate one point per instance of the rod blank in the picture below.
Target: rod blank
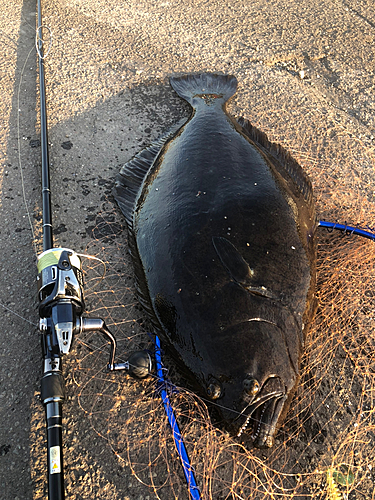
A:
(46, 191)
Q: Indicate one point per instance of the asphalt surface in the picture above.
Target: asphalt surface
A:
(306, 77)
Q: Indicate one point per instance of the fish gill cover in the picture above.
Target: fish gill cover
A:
(324, 449)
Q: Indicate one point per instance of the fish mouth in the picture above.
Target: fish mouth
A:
(262, 416)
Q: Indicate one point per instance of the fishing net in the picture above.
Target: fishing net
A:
(323, 449)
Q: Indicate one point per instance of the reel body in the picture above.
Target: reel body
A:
(60, 291)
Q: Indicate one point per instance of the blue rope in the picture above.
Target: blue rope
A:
(188, 470)
(347, 229)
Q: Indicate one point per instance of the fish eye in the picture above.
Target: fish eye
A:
(214, 390)
(251, 386)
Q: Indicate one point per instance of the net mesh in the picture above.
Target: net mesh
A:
(324, 448)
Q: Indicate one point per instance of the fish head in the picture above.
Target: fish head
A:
(255, 375)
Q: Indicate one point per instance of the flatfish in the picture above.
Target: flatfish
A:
(221, 226)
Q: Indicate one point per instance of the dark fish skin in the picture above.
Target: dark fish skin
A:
(222, 235)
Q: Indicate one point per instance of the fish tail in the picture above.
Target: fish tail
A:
(205, 85)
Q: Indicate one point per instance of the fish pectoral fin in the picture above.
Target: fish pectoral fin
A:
(233, 261)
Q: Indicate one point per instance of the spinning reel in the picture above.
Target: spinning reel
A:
(61, 304)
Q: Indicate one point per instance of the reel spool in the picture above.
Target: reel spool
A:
(59, 276)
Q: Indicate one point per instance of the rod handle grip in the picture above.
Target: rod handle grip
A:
(54, 451)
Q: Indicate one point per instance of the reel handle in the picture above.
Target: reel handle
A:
(139, 364)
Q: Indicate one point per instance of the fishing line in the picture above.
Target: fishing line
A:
(19, 153)
(16, 314)
(101, 278)
(38, 39)
(9, 38)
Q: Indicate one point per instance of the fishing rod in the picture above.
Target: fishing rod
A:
(61, 305)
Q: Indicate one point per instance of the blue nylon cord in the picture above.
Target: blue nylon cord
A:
(188, 471)
(347, 229)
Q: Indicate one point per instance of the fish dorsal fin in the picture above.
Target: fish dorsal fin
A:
(233, 261)
(129, 180)
(286, 163)
(204, 85)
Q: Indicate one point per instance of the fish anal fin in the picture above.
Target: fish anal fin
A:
(233, 261)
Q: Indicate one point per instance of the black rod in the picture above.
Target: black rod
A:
(46, 192)
(55, 451)
(53, 397)
(52, 387)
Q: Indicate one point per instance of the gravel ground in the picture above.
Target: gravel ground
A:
(306, 77)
